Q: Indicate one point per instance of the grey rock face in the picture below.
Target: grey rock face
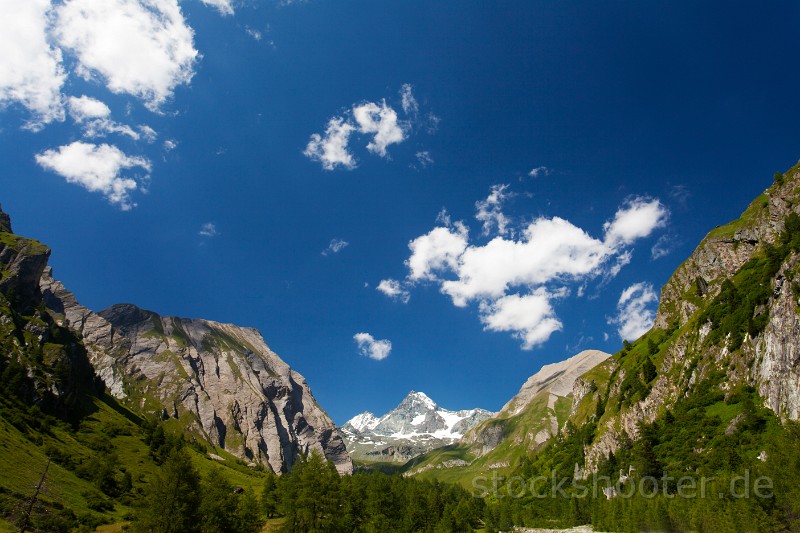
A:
(540, 392)
(22, 262)
(221, 380)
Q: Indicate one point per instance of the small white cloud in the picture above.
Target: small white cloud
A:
(635, 311)
(681, 194)
(637, 218)
(623, 260)
(86, 108)
(489, 211)
(223, 6)
(539, 172)
(31, 73)
(148, 133)
(145, 49)
(94, 116)
(394, 290)
(331, 150)
(209, 229)
(530, 317)
(663, 247)
(382, 121)
(97, 168)
(254, 33)
(335, 246)
(371, 347)
(375, 119)
(424, 158)
(409, 103)
(431, 123)
(170, 145)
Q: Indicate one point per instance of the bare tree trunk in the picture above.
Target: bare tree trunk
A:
(27, 515)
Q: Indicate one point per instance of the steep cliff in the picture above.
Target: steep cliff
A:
(41, 363)
(729, 314)
(220, 380)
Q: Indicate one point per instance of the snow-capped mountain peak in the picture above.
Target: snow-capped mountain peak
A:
(365, 421)
(417, 423)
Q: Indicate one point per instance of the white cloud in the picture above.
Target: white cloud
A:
(409, 103)
(489, 211)
(331, 150)
(394, 290)
(437, 250)
(548, 249)
(335, 246)
(148, 133)
(86, 108)
(424, 158)
(515, 277)
(538, 172)
(372, 348)
(663, 247)
(170, 145)
(637, 218)
(145, 49)
(31, 73)
(93, 115)
(635, 311)
(97, 168)
(209, 229)
(382, 121)
(378, 120)
(530, 317)
(254, 33)
(223, 6)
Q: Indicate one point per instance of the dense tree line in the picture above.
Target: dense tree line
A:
(314, 498)
(179, 501)
(689, 470)
(311, 498)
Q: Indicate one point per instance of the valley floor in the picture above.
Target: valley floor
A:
(579, 529)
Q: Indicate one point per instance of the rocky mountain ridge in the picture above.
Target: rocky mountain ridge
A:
(218, 381)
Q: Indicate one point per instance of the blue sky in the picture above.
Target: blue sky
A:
(432, 196)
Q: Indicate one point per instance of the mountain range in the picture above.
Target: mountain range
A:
(415, 426)
(711, 390)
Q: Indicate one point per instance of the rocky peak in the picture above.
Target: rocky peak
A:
(5, 221)
(22, 262)
(415, 426)
(417, 402)
(362, 422)
(222, 381)
(557, 378)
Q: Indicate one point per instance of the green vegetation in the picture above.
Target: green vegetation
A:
(738, 308)
(747, 219)
(314, 498)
